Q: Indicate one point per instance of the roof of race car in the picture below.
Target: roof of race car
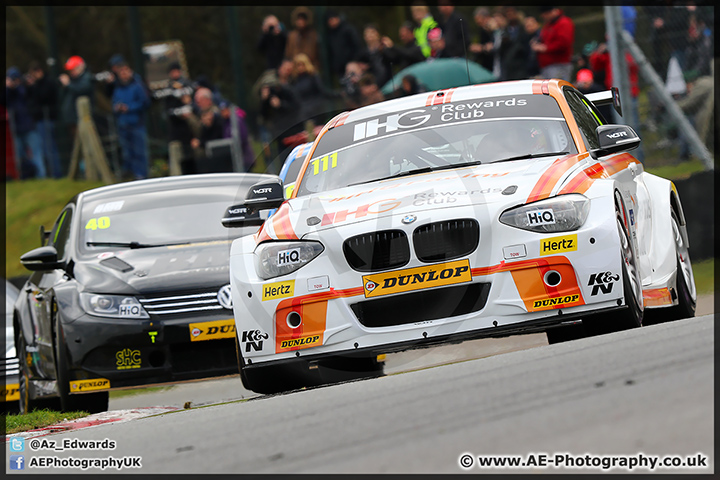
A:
(438, 97)
(174, 183)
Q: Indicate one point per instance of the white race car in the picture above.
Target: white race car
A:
(476, 211)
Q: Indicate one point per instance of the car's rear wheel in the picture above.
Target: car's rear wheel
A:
(89, 402)
(632, 315)
(684, 283)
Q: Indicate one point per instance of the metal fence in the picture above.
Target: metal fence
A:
(667, 78)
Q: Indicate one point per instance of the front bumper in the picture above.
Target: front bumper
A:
(514, 282)
(141, 352)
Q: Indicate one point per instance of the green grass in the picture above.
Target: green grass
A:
(678, 171)
(137, 391)
(29, 204)
(704, 273)
(38, 419)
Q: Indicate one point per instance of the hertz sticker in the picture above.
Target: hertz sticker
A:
(212, 330)
(89, 385)
(417, 278)
(550, 246)
(10, 393)
(273, 291)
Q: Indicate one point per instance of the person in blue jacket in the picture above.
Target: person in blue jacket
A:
(130, 101)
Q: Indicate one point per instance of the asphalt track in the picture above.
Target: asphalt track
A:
(640, 393)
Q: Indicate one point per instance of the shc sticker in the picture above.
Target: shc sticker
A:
(89, 385)
(127, 359)
(273, 291)
(417, 278)
(550, 246)
(212, 330)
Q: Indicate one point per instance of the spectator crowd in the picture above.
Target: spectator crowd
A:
(294, 101)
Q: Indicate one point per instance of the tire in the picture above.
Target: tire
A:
(565, 333)
(684, 283)
(88, 402)
(25, 403)
(272, 379)
(632, 316)
(344, 369)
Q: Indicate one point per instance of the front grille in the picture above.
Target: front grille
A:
(377, 251)
(446, 240)
(422, 306)
(184, 303)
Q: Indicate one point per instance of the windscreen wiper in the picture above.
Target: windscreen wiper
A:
(397, 175)
(530, 155)
(132, 245)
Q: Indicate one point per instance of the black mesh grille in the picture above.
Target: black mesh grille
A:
(422, 306)
(377, 251)
(446, 240)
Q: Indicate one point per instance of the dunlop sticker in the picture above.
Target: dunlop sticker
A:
(417, 278)
(10, 392)
(554, 302)
(302, 342)
(212, 330)
(273, 291)
(550, 246)
(89, 385)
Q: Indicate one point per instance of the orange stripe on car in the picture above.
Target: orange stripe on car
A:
(552, 175)
(607, 168)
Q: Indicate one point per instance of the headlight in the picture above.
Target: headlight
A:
(115, 306)
(563, 213)
(280, 258)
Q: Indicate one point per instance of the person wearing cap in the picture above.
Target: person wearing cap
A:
(343, 42)
(455, 30)
(130, 101)
(555, 47)
(27, 139)
(78, 82)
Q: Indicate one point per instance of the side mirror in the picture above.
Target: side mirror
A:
(41, 259)
(614, 139)
(265, 195)
(239, 216)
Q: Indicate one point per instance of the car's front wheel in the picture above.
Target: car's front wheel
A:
(632, 315)
(26, 404)
(88, 402)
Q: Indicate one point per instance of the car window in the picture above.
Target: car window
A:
(436, 137)
(61, 232)
(586, 116)
(159, 218)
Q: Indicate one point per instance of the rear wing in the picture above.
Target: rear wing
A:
(606, 97)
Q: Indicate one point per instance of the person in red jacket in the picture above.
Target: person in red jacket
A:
(554, 48)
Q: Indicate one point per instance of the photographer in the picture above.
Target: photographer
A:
(177, 98)
(78, 82)
(280, 109)
(272, 42)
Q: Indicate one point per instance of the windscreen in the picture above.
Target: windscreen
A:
(438, 137)
(186, 215)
